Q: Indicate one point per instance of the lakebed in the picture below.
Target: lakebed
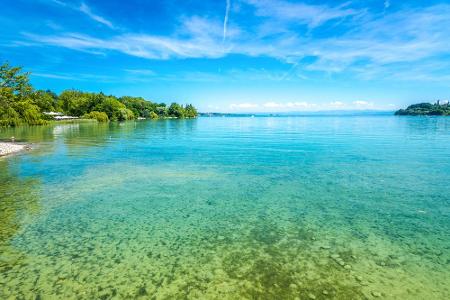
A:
(231, 208)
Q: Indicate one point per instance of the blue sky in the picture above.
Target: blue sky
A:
(236, 55)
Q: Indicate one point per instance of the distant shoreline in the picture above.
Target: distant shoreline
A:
(426, 109)
(300, 114)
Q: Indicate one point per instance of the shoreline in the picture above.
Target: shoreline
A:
(9, 148)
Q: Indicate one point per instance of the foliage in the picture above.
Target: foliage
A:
(176, 110)
(125, 114)
(425, 109)
(18, 100)
(190, 111)
(111, 107)
(74, 103)
(139, 106)
(99, 116)
(21, 104)
(46, 100)
(153, 115)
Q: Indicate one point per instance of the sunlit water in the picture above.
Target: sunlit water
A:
(228, 208)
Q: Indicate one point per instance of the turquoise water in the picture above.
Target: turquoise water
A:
(228, 208)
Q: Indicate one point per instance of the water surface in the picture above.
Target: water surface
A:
(228, 208)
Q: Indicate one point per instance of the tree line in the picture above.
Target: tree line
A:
(426, 109)
(21, 104)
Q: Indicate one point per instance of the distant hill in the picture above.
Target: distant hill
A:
(426, 109)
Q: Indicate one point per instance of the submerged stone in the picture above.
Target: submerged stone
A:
(376, 294)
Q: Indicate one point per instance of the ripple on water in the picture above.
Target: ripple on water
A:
(331, 219)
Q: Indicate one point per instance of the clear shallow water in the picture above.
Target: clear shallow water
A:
(228, 208)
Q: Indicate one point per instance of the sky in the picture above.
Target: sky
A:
(236, 55)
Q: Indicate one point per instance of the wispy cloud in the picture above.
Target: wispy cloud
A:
(77, 77)
(143, 72)
(363, 104)
(198, 37)
(373, 42)
(85, 9)
(88, 12)
(299, 106)
(289, 105)
(243, 106)
(54, 76)
(311, 15)
(225, 20)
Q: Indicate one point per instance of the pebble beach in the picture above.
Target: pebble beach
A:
(10, 148)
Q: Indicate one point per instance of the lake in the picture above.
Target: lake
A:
(319, 207)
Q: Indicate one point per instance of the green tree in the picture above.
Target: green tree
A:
(153, 115)
(74, 103)
(99, 116)
(176, 110)
(125, 114)
(425, 109)
(111, 107)
(45, 101)
(21, 104)
(190, 111)
(17, 98)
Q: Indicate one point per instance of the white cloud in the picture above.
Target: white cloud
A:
(305, 106)
(225, 20)
(272, 105)
(88, 12)
(311, 15)
(85, 9)
(54, 76)
(77, 77)
(59, 2)
(243, 106)
(371, 48)
(336, 104)
(143, 72)
(362, 104)
(289, 105)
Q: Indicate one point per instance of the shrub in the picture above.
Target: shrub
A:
(153, 115)
(97, 115)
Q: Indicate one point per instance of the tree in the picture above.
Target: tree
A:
(125, 114)
(17, 98)
(21, 104)
(45, 101)
(425, 109)
(190, 111)
(112, 107)
(74, 103)
(176, 110)
(153, 116)
(99, 116)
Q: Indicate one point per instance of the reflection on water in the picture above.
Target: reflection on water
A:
(269, 208)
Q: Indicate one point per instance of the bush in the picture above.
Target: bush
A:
(125, 114)
(153, 115)
(97, 115)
